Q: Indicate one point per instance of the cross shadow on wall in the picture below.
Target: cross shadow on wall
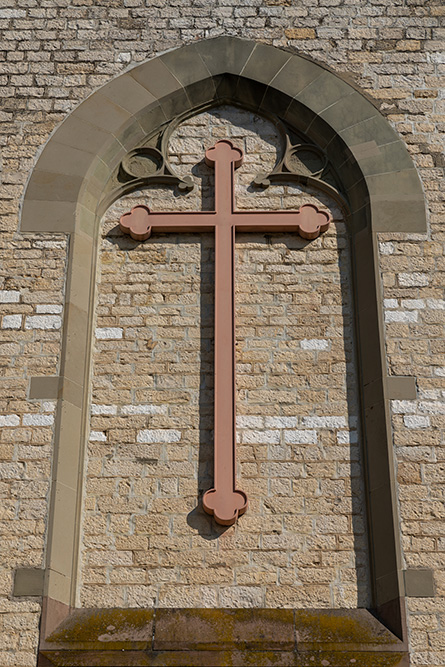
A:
(326, 500)
(332, 472)
(332, 476)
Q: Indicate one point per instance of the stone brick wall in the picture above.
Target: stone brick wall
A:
(31, 302)
(54, 54)
(413, 286)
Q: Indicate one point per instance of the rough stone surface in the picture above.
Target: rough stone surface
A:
(415, 346)
(53, 55)
(12, 322)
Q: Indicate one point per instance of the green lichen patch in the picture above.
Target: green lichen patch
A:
(106, 628)
(222, 637)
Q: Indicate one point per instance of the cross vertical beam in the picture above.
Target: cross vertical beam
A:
(224, 501)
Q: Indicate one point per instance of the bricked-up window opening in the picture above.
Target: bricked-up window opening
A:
(297, 415)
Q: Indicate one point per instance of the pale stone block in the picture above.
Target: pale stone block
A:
(404, 407)
(9, 420)
(438, 58)
(432, 407)
(297, 437)
(413, 279)
(435, 304)
(9, 296)
(390, 303)
(261, 437)
(49, 406)
(144, 409)
(430, 394)
(315, 344)
(398, 316)
(387, 248)
(103, 409)
(159, 436)
(12, 13)
(325, 422)
(109, 333)
(281, 422)
(38, 420)
(43, 322)
(416, 421)
(98, 436)
(347, 437)
(48, 308)
(12, 322)
(413, 304)
(245, 421)
(123, 57)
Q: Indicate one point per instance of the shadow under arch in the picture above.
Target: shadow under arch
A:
(67, 193)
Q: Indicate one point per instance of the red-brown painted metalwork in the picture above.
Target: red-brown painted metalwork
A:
(225, 501)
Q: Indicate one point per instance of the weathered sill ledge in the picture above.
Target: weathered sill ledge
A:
(220, 637)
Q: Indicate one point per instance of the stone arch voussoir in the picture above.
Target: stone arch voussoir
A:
(69, 177)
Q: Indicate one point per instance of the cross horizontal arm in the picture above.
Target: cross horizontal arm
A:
(308, 221)
(141, 221)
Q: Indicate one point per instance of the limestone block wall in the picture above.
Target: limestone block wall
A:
(31, 304)
(413, 287)
(53, 55)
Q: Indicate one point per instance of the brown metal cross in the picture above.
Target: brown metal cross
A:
(225, 501)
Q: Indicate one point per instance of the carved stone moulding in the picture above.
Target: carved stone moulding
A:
(146, 166)
(299, 160)
(305, 163)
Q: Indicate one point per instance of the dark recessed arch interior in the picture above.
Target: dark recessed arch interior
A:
(381, 510)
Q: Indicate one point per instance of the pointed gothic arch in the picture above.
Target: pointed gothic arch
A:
(71, 186)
